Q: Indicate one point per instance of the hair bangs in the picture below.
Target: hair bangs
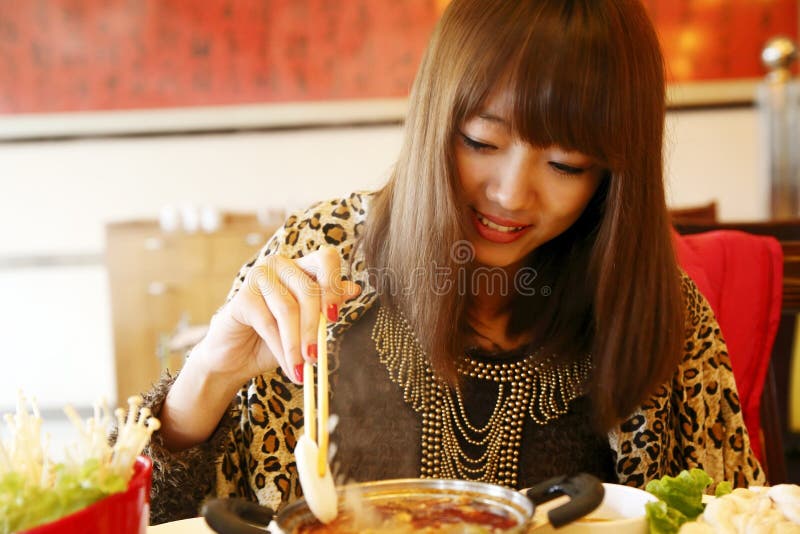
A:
(559, 81)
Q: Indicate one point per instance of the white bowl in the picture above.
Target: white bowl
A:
(621, 512)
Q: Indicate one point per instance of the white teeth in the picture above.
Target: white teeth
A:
(507, 229)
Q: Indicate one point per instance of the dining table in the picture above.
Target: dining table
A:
(195, 525)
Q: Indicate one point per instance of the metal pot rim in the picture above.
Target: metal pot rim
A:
(506, 499)
(586, 492)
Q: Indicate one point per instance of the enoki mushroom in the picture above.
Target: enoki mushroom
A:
(34, 489)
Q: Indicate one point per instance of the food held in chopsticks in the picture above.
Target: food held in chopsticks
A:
(35, 490)
(311, 451)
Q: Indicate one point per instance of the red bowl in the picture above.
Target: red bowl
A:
(127, 512)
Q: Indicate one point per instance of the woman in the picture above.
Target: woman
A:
(513, 308)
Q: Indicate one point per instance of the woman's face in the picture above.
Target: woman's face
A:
(517, 196)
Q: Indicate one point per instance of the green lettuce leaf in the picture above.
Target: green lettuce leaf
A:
(684, 492)
(664, 519)
(723, 488)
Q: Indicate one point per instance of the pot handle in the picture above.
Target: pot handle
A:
(236, 516)
(585, 490)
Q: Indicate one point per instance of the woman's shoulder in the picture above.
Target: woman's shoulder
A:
(335, 222)
(703, 341)
(700, 395)
(698, 310)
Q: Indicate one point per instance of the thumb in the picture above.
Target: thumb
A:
(337, 296)
(351, 290)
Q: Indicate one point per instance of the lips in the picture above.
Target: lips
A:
(497, 229)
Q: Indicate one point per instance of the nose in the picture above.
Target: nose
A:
(513, 185)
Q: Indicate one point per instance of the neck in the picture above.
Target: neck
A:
(489, 314)
(490, 308)
(490, 301)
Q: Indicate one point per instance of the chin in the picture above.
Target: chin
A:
(503, 261)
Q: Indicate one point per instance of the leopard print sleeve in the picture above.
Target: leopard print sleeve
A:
(181, 480)
(219, 466)
(695, 420)
(250, 454)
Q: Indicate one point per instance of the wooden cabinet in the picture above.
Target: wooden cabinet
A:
(157, 279)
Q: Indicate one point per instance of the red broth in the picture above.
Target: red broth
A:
(417, 515)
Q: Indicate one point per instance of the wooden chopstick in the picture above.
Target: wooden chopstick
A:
(322, 394)
(309, 403)
(316, 417)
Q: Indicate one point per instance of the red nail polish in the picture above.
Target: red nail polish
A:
(333, 312)
(298, 372)
(312, 351)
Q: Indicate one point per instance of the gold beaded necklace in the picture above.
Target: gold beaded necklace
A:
(542, 389)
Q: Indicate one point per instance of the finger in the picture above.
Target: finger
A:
(325, 265)
(307, 294)
(347, 291)
(285, 310)
(352, 290)
(248, 308)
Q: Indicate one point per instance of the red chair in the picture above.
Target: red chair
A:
(741, 276)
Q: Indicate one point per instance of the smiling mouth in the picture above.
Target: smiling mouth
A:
(498, 227)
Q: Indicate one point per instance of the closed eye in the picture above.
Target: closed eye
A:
(475, 145)
(566, 169)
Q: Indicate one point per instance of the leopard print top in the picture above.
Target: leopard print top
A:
(695, 420)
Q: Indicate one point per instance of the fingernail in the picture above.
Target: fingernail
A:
(333, 312)
(312, 351)
(298, 372)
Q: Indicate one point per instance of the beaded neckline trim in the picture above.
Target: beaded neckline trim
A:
(540, 389)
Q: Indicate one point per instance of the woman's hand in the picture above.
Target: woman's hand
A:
(273, 318)
(271, 321)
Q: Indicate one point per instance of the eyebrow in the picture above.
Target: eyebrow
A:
(492, 118)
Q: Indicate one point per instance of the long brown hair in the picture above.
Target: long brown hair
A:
(587, 75)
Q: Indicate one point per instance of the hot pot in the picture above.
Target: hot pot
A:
(238, 516)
